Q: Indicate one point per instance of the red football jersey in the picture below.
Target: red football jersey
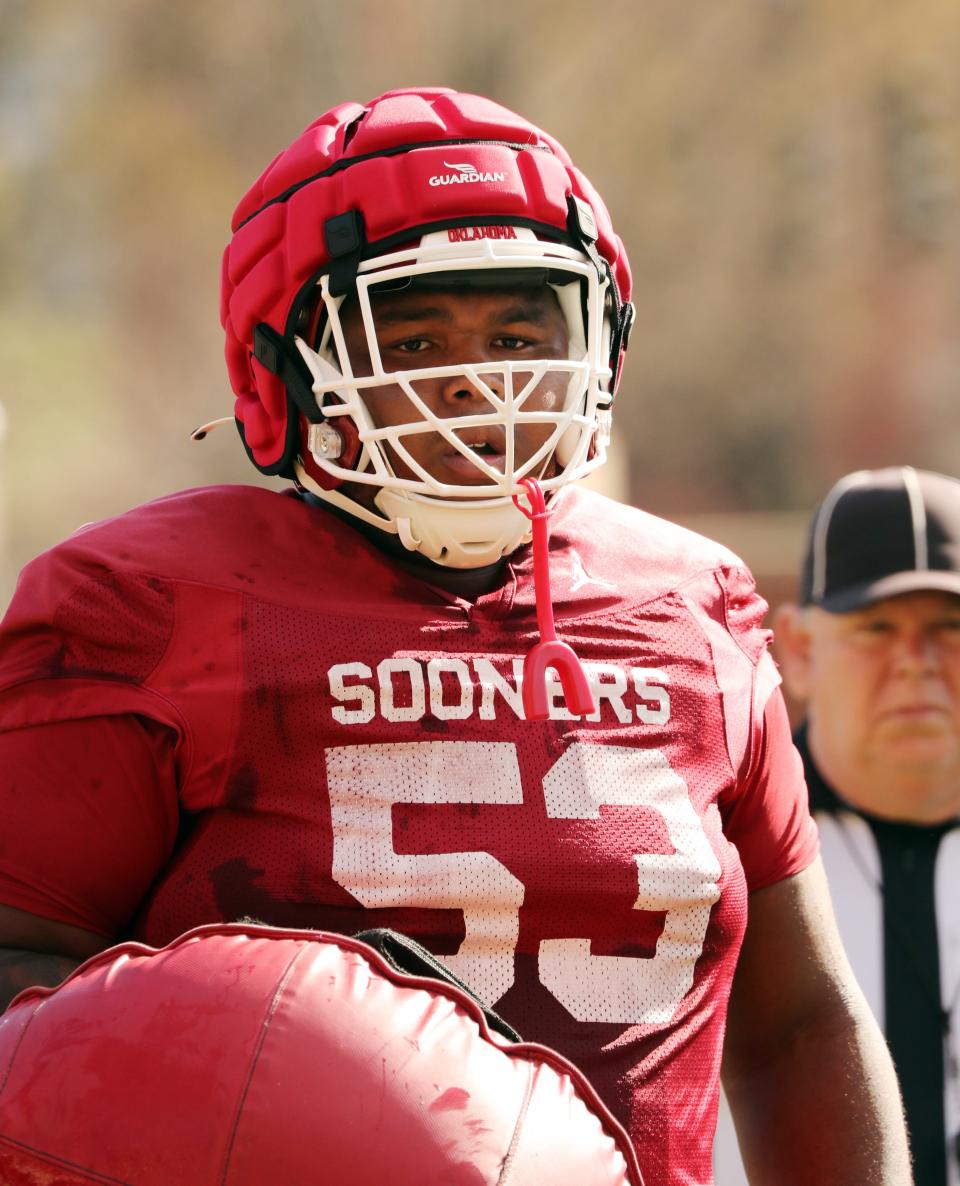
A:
(229, 702)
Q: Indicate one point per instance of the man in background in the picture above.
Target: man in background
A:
(873, 653)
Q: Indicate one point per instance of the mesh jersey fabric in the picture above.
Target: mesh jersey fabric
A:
(348, 751)
(243, 1055)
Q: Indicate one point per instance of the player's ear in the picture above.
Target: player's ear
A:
(792, 646)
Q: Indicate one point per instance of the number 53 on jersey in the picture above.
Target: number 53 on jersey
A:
(366, 781)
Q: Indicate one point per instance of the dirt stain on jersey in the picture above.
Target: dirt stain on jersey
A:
(454, 1099)
(242, 787)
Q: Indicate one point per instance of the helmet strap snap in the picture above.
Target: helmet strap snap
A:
(345, 238)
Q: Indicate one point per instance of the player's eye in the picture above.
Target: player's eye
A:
(512, 342)
(411, 345)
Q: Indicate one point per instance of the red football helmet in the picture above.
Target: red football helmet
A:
(435, 189)
(242, 1055)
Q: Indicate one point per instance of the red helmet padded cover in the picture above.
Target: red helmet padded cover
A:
(278, 242)
(240, 1055)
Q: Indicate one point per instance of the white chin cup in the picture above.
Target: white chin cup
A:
(457, 533)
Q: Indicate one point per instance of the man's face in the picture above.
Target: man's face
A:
(420, 328)
(883, 685)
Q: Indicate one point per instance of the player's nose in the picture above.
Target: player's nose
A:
(462, 390)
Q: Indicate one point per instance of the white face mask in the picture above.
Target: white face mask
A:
(459, 512)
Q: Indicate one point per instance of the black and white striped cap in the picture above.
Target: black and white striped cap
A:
(882, 532)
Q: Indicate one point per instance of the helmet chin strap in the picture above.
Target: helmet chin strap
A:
(457, 533)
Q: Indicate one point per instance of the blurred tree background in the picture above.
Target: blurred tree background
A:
(785, 173)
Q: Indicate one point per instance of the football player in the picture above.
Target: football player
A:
(319, 707)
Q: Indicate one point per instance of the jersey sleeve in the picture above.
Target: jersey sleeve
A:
(90, 817)
(81, 638)
(88, 752)
(768, 818)
(766, 813)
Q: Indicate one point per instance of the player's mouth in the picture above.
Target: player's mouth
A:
(489, 448)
